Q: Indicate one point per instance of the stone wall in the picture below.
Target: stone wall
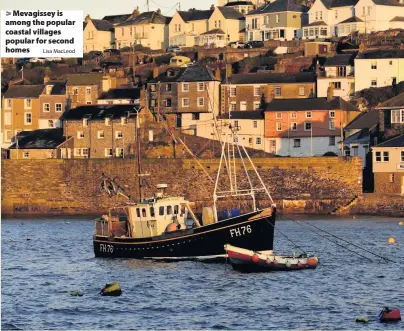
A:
(380, 204)
(72, 186)
(389, 182)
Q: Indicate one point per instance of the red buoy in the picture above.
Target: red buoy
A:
(299, 265)
(389, 315)
(275, 261)
(255, 258)
(268, 261)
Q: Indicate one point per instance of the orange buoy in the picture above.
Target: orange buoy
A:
(171, 227)
(312, 261)
(391, 240)
(255, 258)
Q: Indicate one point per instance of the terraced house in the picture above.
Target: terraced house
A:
(53, 103)
(279, 20)
(149, 29)
(83, 89)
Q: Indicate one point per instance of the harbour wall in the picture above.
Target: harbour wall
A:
(72, 186)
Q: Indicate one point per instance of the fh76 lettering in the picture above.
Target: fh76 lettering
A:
(106, 248)
(240, 231)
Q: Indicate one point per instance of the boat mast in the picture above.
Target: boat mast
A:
(139, 159)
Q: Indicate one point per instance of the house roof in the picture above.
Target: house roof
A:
(381, 54)
(190, 74)
(24, 91)
(388, 3)
(116, 19)
(394, 142)
(59, 87)
(353, 19)
(309, 104)
(195, 15)
(98, 112)
(339, 3)
(362, 136)
(397, 19)
(230, 13)
(272, 78)
(84, 79)
(345, 59)
(102, 25)
(365, 120)
(121, 93)
(279, 6)
(214, 31)
(84, 25)
(150, 17)
(239, 3)
(40, 139)
(317, 23)
(397, 101)
(244, 115)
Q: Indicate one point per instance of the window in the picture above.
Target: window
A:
(302, 91)
(100, 135)
(347, 152)
(88, 102)
(46, 107)
(321, 15)
(8, 103)
(402, 156)
(277, 18)
(185, 87)
(75, 91)
(397, 116)
(167, 102)
(58, 107)
(124, 120)
(51, 124)
(201, 102)
(161, 210)
(84, 152)
(27, 118)
(255, 124)
(236, 124)
(293, 115)
(354, 150)
(278, 91)
(26, 155)
(195, 116)
(168, 88)
(307, 126)
(331, 114)
(176, 209)
(331, 125)
(250, 140)
(308, 114)
(336, 14)
(385, 156)
(382, 156)
(169, 210)
(331, 141)
(233, 91)
(119, 152)
(391, 177)
(107, 121)
(27, 103)
(85, 122)
(118, 135)
(88, 91)
(293, 126)
(337, 85)
(257, 91)
(373, 82)
(278, 126)
(151, 211)
(80, 134)
(258, 140)
(378, 156)
(201, 86)
(373, 65)
(185, 102)
(108, 152)
(278, 116)
(233, 106)
(257, 105)
(296, 143)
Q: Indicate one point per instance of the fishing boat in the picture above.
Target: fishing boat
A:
(246, 260)
(165, 227)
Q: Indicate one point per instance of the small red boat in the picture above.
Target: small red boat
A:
(389, 315)
(250, 261)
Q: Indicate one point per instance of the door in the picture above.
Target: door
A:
(179, 120)
(272, 146)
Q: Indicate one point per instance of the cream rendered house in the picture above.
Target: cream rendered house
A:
(279, 20)
(149, 29)
(97, 35)
(229, 20)
(186, 26)
(243, 7)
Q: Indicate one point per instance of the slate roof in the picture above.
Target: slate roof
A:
(345, 59)
(397, 101)
(272, 78)
(59, 87)
(116, 19)
(98, 112)
(394, 142)
(381, 54)
(339, 3)
(238, 3)
(388, 3)
(84, 79)
(244, 115)
(309, 104)
(121, 93)
(150, 17)
(279, 6)
(362, 136)
(24, 91)
(84, 25)
(40, 139)
(214, 31)
(195, 15)
(365, 120)
(102, 25)
(317, 23)
(354, 19)
(190, 74)
(231, 13)
(397, 19)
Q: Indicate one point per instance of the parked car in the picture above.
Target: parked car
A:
(254, 44)
(173, 48)
(37, 60)
(237, 44)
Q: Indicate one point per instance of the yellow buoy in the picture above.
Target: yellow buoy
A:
(401, 223)
(391, 240)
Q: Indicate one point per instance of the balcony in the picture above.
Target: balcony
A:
(138, 36)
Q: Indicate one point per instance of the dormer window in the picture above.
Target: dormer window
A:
(85, 122)
(124, 120)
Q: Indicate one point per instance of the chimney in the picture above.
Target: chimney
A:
(229, 70)
(330, 92)
(155, 72)
(217, 74)
(46, 78)
(212, 7)
(135, 13)
(158, 11)
(87, 18)
(362, 47)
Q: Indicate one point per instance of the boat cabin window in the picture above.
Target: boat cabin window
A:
(151, 211)
(169, 210)
(138, 212)
(144, 212)
(161, 210)
(176, 210)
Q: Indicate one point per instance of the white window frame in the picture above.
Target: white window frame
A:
(25, 118)
(199, 87)
(311, 126)
(28, 103)
(85, 122)
(183, 102)
(85, 155)
(199, 102)
(371, 82)
(124, 120)
(255, 124)
(8, 103)
(331, 114)
(278, 126)
(329, 141)
(56, 107)
(88, 89)
(26, 155)
(308, 114)
(331, 125)
(80, 134)
(293, 114)
(257, 105)
(185, 89)
(233, 91)
(402, 156)
(108, 152)
(100, 134)
(382, 155)
(118, 134)
(278, 116)
(233, 106)
(302, 91)
(397, 116)
(258, 141)
(119, 154)
(294, 143)
(107, 121)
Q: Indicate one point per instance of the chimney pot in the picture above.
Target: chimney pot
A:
(158, 11)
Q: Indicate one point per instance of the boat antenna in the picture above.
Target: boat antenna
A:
(140, 174)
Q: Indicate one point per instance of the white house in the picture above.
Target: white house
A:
(378, 68)
(97, 35)
(120, 96)
(339, 72)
